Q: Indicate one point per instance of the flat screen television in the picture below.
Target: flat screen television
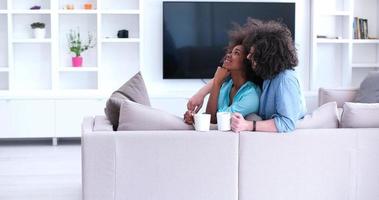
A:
(195, 34)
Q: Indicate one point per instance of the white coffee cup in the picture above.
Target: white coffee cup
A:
(202, 122)
(223, 121)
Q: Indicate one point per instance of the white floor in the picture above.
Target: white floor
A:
(40, 171)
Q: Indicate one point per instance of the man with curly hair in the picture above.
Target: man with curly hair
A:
(273, 57)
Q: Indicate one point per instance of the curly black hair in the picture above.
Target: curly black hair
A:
(238, 36)
(273, 49)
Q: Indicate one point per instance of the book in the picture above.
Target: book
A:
(360, 28)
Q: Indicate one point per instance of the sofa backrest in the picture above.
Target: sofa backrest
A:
(338, 95)
(307, 164)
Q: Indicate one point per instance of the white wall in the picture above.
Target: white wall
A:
(152, 54)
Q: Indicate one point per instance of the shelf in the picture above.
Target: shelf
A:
(31, 11)
(365, 65)
(3, 11)
(362, 41)
(78, 69)
(110, 29)
(120, 40)
(332, 41)
(21, 25)
(77, 12)
(118, 12)
(120, 5)
(31, 40)
(72, 80)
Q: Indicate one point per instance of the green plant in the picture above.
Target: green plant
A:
(37, 25)
(76, 44)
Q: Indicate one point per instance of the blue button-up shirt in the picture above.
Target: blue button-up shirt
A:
(282, 100)
(245, 101)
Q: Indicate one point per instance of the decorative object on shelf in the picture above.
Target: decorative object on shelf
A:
(77, 46)
(123, 33)
(360, 27)
(39, 30)
(35, 7)
(88, 6)
(69, 7)
(328, 37)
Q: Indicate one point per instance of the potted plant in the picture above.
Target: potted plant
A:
(39, 30)
(77, 46)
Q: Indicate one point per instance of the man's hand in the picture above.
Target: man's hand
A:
(240, 124)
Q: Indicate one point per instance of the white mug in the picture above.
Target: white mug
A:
(202, 122)
(223, 121)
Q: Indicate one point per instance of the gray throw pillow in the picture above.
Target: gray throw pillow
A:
(369, 89)
(134, 90)
(135, 116)
(360, 115)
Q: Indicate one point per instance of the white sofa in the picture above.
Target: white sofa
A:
(307, 164)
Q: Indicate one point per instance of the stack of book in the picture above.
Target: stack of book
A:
(360, 28)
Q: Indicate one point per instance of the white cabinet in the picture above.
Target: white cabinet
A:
(340, 60)
(5, 119)
(27, 118)
(70, 114)
(32, 118)
(36, 118)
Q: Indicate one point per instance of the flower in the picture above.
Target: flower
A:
(76, 44)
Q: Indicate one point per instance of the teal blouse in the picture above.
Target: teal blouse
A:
(245, 101)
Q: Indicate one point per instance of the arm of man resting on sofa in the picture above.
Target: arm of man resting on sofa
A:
(288, 105)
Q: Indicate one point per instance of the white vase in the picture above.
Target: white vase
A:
(39, 33)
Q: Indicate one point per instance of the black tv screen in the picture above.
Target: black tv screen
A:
(195, 34)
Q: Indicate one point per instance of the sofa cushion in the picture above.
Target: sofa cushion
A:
(338, 95)
(135, 116)
(369, 90)
(134, 90)
(326, 116)
(360, 115)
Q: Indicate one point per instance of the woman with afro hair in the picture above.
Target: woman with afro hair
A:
(234, 87)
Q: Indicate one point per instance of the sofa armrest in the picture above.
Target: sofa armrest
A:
(87, 124)
(101, 123)
(338, 95)
(98, 165)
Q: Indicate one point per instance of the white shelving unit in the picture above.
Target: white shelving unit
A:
(343, 62)
(4, 68)
(38, 72)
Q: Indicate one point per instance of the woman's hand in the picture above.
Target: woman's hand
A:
(220, 75)
(239, 124)
(195, 103)
(188, 117)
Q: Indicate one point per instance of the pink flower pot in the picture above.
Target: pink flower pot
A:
(77, 61)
